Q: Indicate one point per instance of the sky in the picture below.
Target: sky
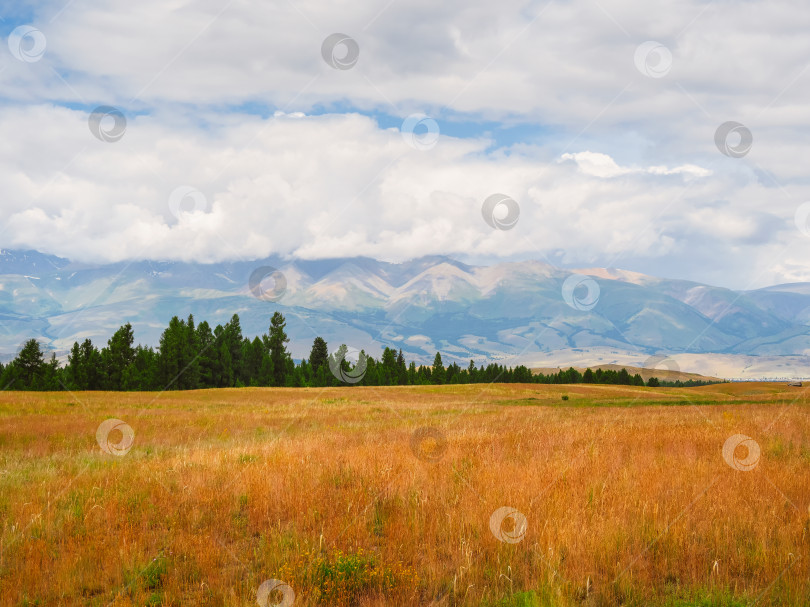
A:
(668, 138)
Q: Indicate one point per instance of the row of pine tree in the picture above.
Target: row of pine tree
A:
(192, 356)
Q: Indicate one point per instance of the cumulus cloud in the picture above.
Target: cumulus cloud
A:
(339, 185)
(235, 101)
(601, 165)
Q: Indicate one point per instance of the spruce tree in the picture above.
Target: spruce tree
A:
(50, 375)
(75, 372)
(117, 357)
(278, 350)
(438, 373)
(190, 372)
(172, 356)
(389, 375)
(142, 373)
(319, 356)
(402, 369)
(208, 352)
(253, 355)
(412, 377)
(233, 341)
(29, 365)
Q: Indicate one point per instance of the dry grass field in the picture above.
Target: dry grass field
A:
(386, 496)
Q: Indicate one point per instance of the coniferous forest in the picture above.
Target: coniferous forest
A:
(192, 356)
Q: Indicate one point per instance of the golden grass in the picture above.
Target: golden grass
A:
(627, 502)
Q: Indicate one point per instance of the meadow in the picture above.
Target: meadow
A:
(499, 495)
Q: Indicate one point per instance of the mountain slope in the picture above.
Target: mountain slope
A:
(508, 311)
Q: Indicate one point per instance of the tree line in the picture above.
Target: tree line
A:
(193, 356)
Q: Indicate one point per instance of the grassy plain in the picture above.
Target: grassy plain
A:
(627, 497)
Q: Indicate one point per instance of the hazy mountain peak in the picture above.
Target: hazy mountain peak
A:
(494, 312)
(616, 274)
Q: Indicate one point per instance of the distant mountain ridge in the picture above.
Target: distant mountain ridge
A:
(508, 311)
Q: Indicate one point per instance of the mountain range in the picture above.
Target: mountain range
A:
(517, 312)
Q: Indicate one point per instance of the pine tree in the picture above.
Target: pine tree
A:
(323, 377)
(172, 357)
(75, 371)
(438, 373)
(91, 361)
(522, 375)
(374, 374)
(117, 357)
(402, 369)
(266, 375)
(472, 372)
(253, 355)
(388, 372)
(208, 352)
(142, 373)
(319, 356)
(190, 372)
(28, 366)
(50, 375)
(278, 350)
(233, 341)
(9, 377)
(224, 375)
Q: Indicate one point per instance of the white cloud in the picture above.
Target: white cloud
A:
(339, 186)
(641, 181)
(563, 63)
(597, 164)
